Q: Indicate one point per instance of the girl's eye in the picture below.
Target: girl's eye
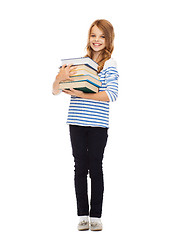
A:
(93, 35)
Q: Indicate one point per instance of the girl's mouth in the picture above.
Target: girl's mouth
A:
(97, 44)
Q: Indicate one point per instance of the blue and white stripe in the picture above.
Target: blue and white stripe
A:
(87, 112)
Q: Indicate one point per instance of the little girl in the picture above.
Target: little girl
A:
(88, 120)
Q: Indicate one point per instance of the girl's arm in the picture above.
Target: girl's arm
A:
(111, 92)
(100, 96)
(55, 88)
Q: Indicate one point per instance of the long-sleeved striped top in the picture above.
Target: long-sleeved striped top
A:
(87, 112)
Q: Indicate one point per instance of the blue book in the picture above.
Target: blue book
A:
(82, 85)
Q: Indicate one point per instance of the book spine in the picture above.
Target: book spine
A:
(86, 80)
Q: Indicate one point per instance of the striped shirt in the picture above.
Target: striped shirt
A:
(87, 112)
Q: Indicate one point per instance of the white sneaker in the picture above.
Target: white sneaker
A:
(96, 226)
(83, 225)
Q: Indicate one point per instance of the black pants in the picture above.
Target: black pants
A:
(88, 144)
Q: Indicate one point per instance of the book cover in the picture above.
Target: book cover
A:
(82, 85)
(81, 61)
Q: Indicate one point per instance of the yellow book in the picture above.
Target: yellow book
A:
(85, 70)
(88, 78)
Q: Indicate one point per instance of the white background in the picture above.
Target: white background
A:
(143, 162)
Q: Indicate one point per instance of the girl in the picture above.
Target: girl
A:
(88, 120)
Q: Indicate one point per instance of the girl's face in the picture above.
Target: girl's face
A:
(97, 39)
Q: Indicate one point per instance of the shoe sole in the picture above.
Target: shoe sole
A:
(96, 229)
(86, 229)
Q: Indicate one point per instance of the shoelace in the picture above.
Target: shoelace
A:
(95, 224)
(83, 223)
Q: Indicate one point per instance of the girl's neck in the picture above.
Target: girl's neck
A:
(97, 56)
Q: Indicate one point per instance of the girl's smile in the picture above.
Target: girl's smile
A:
(97, 46)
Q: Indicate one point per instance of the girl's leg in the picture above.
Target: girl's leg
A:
(78, 137)
(97, 139)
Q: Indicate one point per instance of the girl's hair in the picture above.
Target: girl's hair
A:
(108, 31)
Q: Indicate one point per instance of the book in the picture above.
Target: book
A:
(85, 78)
(81, 85)
(83, 69)
(81, 61)
(83, 72)
(88, 78)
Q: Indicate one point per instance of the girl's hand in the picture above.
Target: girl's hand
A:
(74, 92)
(65, 72)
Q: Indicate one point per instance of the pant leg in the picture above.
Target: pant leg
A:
(97, 139)
(78, 137)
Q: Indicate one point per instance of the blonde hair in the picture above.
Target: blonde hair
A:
(108, 31)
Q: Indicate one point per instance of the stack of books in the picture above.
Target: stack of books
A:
(85, 79)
